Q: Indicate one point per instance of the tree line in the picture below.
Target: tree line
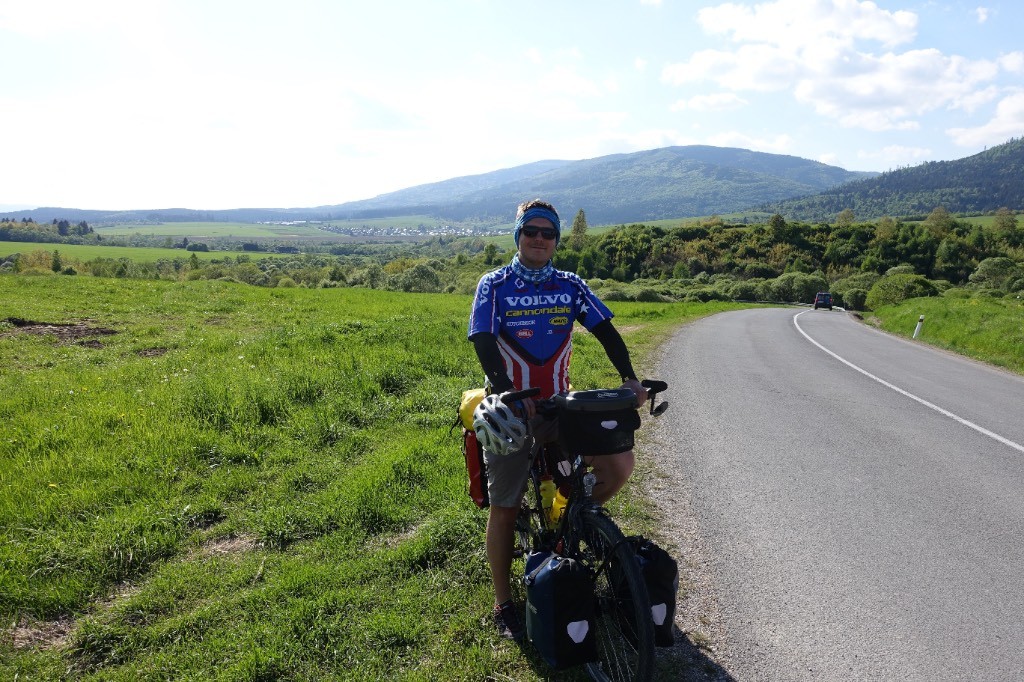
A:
(777, 260)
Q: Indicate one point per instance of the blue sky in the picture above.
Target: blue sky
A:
(210, 104)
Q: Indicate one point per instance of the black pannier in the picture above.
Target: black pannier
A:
(560, 610)
(600, 422)
(661, 574)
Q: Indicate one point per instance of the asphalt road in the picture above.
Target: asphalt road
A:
(860, 498)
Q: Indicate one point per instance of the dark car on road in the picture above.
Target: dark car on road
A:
(823, 299)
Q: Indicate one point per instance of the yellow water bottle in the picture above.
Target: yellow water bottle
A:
(557, 506)
(547, 494)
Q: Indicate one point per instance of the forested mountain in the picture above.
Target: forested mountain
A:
(672, 182)
(667, 183)
(976, 184)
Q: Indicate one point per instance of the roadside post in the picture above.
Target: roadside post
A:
(917, 330)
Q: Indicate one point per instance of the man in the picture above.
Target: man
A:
(521, 325)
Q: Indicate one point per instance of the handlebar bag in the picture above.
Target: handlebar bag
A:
(600, 422)
(560, 611)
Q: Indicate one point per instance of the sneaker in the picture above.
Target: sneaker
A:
(507, 619)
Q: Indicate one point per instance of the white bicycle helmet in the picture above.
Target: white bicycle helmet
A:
(497, 428)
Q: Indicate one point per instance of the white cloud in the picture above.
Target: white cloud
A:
(815, 50)
(640, 64)
(722, 101)
(799, 23)
(1012, 62)
(982, 13)
(1007, 122)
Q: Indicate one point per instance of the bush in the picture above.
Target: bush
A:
(797, 287)
(614, 295)
(893, 289)
(704, 294)
(745, 291)
(646, 295)
(996, 273)
(854, 299)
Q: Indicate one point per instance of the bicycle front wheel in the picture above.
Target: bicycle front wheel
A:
(625, 631)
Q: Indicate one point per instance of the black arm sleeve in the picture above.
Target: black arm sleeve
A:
(490, 359)
(615, 347)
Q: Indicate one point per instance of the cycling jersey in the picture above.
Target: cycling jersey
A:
(533, 324)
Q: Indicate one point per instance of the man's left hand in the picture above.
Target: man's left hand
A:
(641, 392)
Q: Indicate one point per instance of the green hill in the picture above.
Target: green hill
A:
(976, 184)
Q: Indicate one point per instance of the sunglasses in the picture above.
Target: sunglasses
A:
(545, 232)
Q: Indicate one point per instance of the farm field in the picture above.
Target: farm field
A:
(141, 254)
(199, 231)
(208, 480)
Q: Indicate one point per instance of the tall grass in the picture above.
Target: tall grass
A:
(248, 484)
(984, 328)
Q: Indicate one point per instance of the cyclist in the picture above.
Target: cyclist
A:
(521, 326)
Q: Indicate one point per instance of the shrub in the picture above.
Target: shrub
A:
(704, 294)
(614, 295)
(996, 273)
(646, 295)
(853, 299)
(745, 291)
(893, 289)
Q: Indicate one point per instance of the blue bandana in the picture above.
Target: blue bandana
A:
(533, 276)
(538, 212)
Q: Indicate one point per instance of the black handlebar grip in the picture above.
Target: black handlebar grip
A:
(512, 396)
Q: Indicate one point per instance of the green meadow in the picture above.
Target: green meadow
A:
(985, 328)
(140, 254)
(200, 231)
(208, 480)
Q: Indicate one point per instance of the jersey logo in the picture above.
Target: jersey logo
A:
(558, 321)
(545, 299)
(524, 333)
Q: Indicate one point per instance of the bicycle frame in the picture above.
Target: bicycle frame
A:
(581, 483)
(586, 532)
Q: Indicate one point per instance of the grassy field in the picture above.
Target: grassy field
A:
(987, 329)
(200, 231)
(205, 480)
(139, 254)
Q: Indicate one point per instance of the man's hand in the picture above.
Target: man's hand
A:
(641, 392)
(525, 409)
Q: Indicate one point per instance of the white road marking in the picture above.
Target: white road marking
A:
(946, 413)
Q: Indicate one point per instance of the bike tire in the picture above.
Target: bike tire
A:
(624, 628)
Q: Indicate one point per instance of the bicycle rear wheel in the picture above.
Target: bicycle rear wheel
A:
(625, 631)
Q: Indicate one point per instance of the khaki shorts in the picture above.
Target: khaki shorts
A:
(507, 474)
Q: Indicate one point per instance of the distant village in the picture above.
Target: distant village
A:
(391, 230)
